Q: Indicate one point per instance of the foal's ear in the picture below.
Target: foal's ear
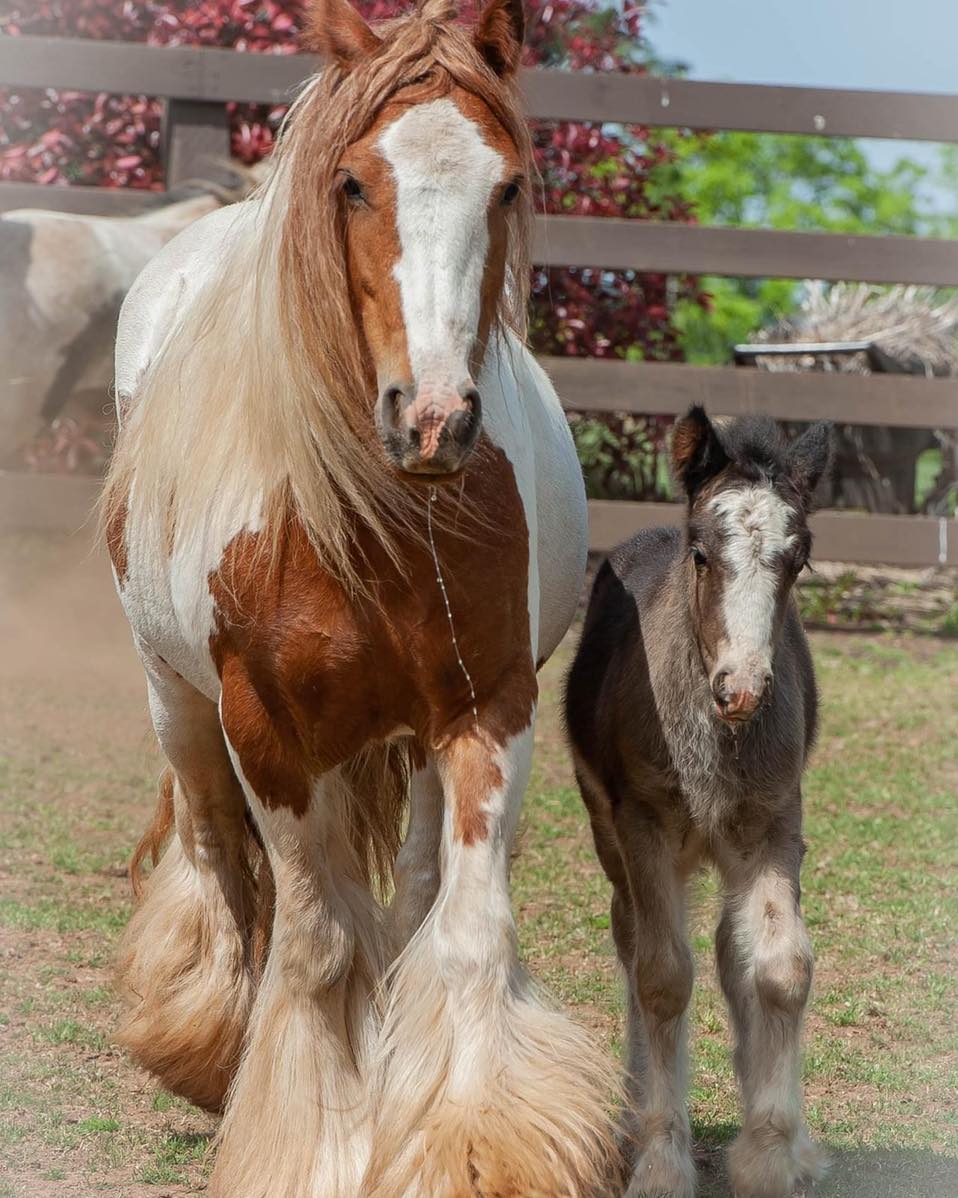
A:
(697, 452)
(499, 33)
(338, 33)
(809, 457)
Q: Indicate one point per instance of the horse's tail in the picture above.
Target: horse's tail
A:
(152, 841)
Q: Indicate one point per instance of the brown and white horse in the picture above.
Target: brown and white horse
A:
(347, 521)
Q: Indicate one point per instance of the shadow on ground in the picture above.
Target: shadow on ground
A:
(858, 1173)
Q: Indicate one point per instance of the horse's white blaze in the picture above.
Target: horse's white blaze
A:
(755, 524)
(445, 174)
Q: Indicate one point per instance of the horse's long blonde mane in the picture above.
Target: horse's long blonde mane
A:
(260, 400)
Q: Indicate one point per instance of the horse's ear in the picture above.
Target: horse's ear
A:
(697, 452)
(338, 33)
(499, 33)
(809, 458)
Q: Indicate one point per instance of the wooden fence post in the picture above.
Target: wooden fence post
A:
(197, 142)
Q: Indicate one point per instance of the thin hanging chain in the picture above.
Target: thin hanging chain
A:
(433, 496)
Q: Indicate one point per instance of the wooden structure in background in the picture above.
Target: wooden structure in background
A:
(196, 83)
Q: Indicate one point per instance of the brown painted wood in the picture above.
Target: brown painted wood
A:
(684, 103)
(912, 541)
(212, 74)
(93, 201)
(655, 247)
(670, 388)
(177, 72)
(197, 140)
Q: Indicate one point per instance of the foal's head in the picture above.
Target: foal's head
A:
(747, 541)
(411, 189)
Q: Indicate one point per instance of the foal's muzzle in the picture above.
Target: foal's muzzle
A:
(429, 430)
(738, 694)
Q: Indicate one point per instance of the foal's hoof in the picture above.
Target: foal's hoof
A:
(765, 1162)
(664, 1170)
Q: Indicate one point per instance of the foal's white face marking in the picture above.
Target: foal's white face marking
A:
(755, 523)
(445, 174)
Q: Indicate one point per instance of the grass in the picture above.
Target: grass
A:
(77, 776)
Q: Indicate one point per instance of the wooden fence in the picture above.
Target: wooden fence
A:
(196, 83)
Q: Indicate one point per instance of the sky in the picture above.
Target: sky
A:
(889, 45)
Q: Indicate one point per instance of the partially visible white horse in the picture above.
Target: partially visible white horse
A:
(63, 278)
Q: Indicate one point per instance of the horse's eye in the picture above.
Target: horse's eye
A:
(698, 556)
(352, 190)
(510, 194)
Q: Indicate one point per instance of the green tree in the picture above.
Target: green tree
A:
(784, 182)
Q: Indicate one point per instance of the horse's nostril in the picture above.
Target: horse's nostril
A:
(718, 686)
(392, 400)
(470, 397)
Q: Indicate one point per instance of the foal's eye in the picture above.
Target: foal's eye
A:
(510, 194)
(698, 556)
(352, 190)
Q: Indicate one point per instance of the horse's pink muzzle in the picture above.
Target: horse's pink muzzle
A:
(429, 430)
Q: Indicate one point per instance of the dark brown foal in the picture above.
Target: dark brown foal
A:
(691, 708)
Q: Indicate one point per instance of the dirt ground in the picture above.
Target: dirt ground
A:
(77, 771)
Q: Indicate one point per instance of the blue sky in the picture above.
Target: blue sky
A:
(898, 45)
(890, 45)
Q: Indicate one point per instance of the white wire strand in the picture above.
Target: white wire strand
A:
(433, 495)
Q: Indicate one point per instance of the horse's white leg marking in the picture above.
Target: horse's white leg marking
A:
(297, 1121)
(481, 1089)
(417, 866)
(184, 960)
(765, 964)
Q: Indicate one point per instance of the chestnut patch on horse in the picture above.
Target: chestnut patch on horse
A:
(310, 673)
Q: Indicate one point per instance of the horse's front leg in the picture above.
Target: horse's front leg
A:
(483, 1090)
(297, 1118)
(765, 965)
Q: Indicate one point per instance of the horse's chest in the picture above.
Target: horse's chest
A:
(311, 674)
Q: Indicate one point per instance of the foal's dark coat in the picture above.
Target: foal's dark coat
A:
(669, 783)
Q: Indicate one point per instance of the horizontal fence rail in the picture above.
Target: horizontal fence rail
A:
(910, 541)
(670, 388)
(65, 504)
(218, 75)
(667, 248)
(651, 247)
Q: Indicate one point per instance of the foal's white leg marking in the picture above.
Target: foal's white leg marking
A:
(444, 174)
(765, 964)
(297, 1124)
(756, 533)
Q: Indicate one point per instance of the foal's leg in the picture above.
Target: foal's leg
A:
(296, 1125)
(659, 975)
(183, 965)
(417, 866)
(765, 965)
(483, 1091)
(622, 919)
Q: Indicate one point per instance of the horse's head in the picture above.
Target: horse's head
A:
(747, 541)
(429, 193)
